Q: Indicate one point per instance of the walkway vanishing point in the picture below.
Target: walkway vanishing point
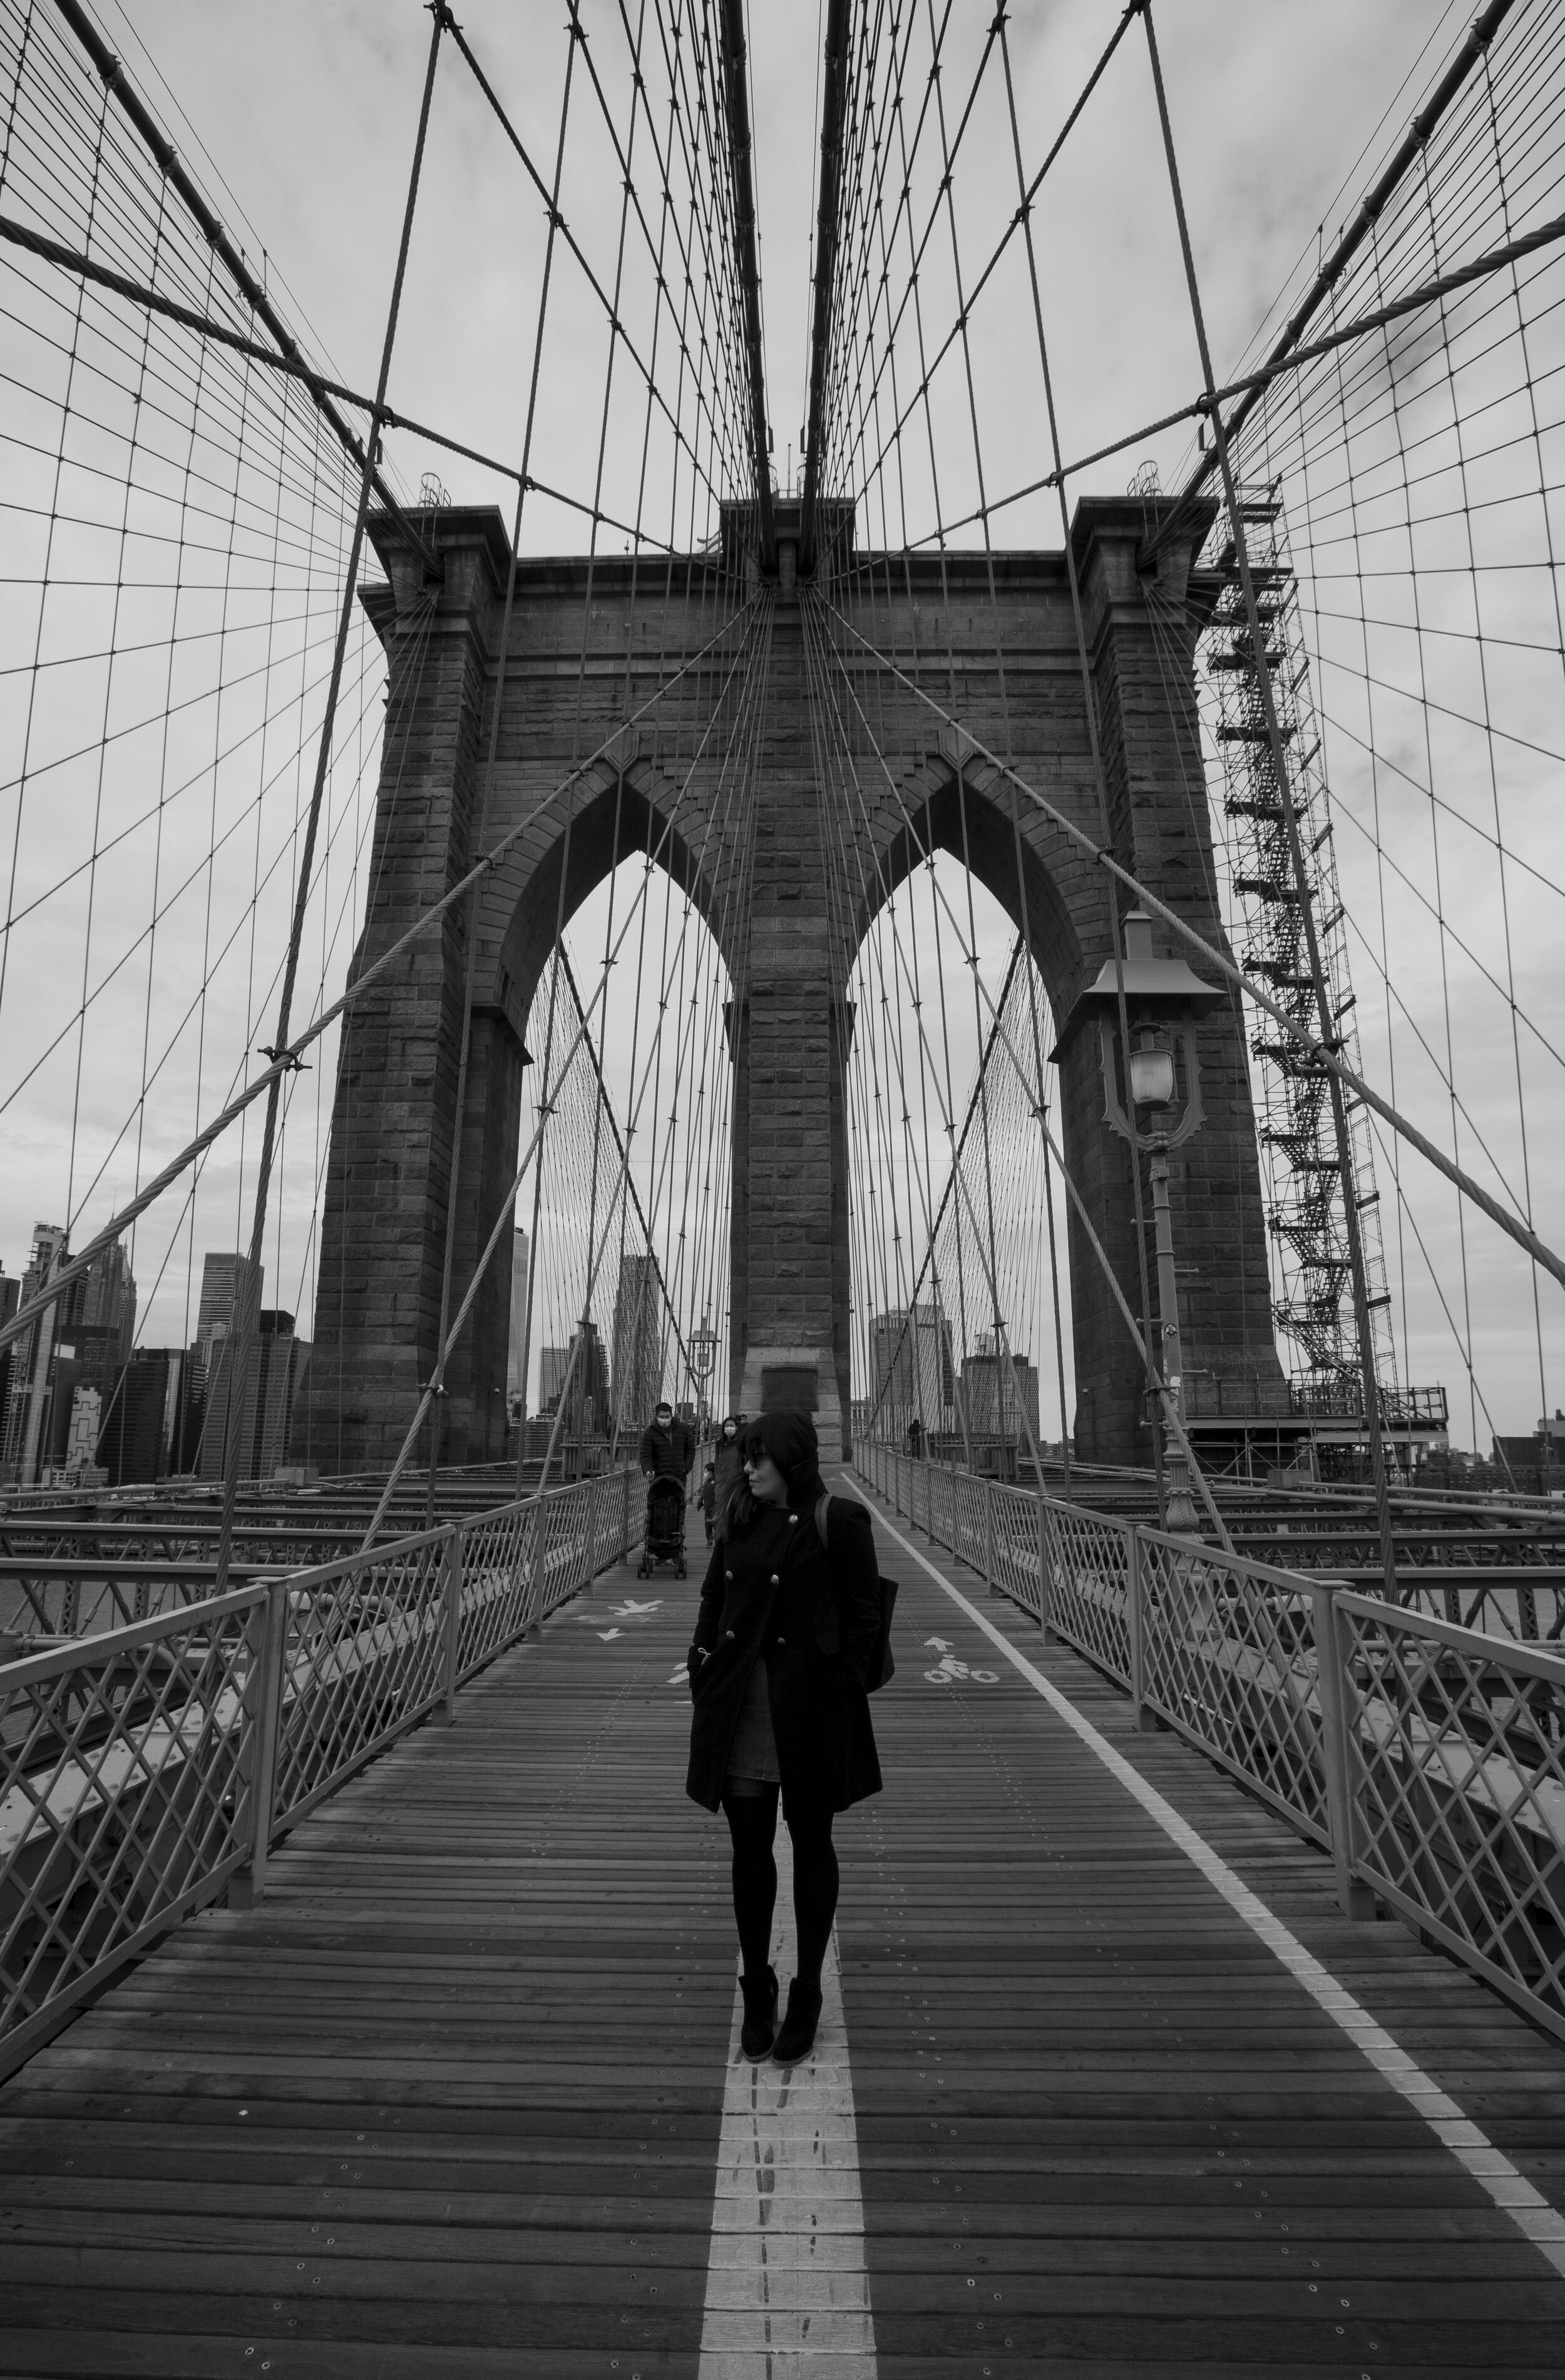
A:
(1106, 2083)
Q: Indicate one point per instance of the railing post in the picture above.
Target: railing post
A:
(1136, 1617)
(1043, 1576)
(540, 1548)
(989, 1536)
(453, 1594)
(625, 1515)
(271, 1627)
(1354, 1898)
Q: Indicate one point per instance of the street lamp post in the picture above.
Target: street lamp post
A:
(1163, 1002)
(703, 1354)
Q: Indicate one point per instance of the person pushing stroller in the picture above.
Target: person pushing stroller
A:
(667, 1447)
(667, 1454)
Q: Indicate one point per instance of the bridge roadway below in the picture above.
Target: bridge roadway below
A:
(462, 2096)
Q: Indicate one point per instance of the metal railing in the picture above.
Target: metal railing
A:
(1427, 1758)
(147, 1769)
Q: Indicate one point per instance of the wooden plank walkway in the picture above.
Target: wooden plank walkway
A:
(452, 2101)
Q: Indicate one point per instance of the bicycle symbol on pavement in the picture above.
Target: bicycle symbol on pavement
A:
(954, 1672)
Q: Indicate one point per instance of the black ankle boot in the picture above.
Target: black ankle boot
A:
(797, 2036)
(760, 2013)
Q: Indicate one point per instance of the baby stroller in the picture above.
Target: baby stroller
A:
(665, 1527)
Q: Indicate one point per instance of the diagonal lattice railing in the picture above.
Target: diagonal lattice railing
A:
(1427, 1758)
(148, 1768)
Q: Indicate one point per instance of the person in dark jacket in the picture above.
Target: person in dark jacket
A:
(667, 1447)
(707, 1499)
(786, 1630)
(729, 1463)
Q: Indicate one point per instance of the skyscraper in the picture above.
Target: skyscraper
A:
(80, 1341)
(637, 1369)
(275, 1364)
(913, 1370)
(224, 1274)
(1000, 1391)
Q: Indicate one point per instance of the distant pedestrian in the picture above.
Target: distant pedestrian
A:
(667, 1447)
(730, 1461)
(787, 1629)
(915, 1438)
(707, 1499)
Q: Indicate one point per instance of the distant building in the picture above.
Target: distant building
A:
(1535, 1465)
(226, 1273)
(912, 1371)
(551, 1366)
(584, 1365)
(80, 1341)
(10, 1298)
(222, 1276)
(151, 1424)
(255, 1399)
(1000, 1391)
(636, 1373)
(516, 1386)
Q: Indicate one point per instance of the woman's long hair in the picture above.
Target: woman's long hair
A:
(790, 1440)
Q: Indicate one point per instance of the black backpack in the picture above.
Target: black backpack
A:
(881, 1665)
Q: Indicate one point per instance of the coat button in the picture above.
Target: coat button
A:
(775, 1581)
(729, 1633)
(781, 1640)
(793, 1520)
(728, 1574)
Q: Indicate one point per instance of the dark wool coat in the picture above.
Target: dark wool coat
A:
(816, 1615)
(730, 1461)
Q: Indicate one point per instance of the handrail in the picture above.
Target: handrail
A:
(146, 1770)
(1427, 1758)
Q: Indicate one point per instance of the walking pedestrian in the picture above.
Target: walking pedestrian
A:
(708, 1500)
(788, 1626)
(729, 1463)
(667, 1447)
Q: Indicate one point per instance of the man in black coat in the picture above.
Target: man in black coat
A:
(667, 1447)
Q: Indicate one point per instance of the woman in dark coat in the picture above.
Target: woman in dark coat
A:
(787, 1629)
(729, 1462)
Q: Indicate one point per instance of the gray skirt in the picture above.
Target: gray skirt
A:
(752, 1756)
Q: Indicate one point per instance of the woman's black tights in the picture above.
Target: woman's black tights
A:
(752, 1823)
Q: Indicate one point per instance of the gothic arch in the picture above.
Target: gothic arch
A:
(624, 812)
(963, 806)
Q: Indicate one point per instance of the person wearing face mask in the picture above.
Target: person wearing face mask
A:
(729, 1464)
(787, 1629)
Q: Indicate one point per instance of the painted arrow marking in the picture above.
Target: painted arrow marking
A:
(939, 1644)
(608, 1635)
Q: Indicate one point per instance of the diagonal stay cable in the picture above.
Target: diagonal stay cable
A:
(1319, 1054)
(287, 1059)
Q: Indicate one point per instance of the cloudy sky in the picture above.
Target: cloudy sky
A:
(299, 117)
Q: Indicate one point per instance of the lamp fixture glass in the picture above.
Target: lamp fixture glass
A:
(1152, 1077)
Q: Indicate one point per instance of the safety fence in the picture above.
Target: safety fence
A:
(147, 1769)
(1427, 1758)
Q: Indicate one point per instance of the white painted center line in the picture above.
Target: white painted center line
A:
(1510, 2189)
(787, 2291)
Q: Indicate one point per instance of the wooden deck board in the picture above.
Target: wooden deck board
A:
(449, 2102)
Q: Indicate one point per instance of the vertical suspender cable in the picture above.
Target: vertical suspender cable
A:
(1325, 1020)
(245, 1318)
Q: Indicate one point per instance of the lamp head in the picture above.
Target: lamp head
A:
(1151, 1075)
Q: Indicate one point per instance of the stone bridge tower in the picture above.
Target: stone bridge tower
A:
(589, 645)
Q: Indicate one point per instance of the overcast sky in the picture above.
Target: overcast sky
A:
(299, 117)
